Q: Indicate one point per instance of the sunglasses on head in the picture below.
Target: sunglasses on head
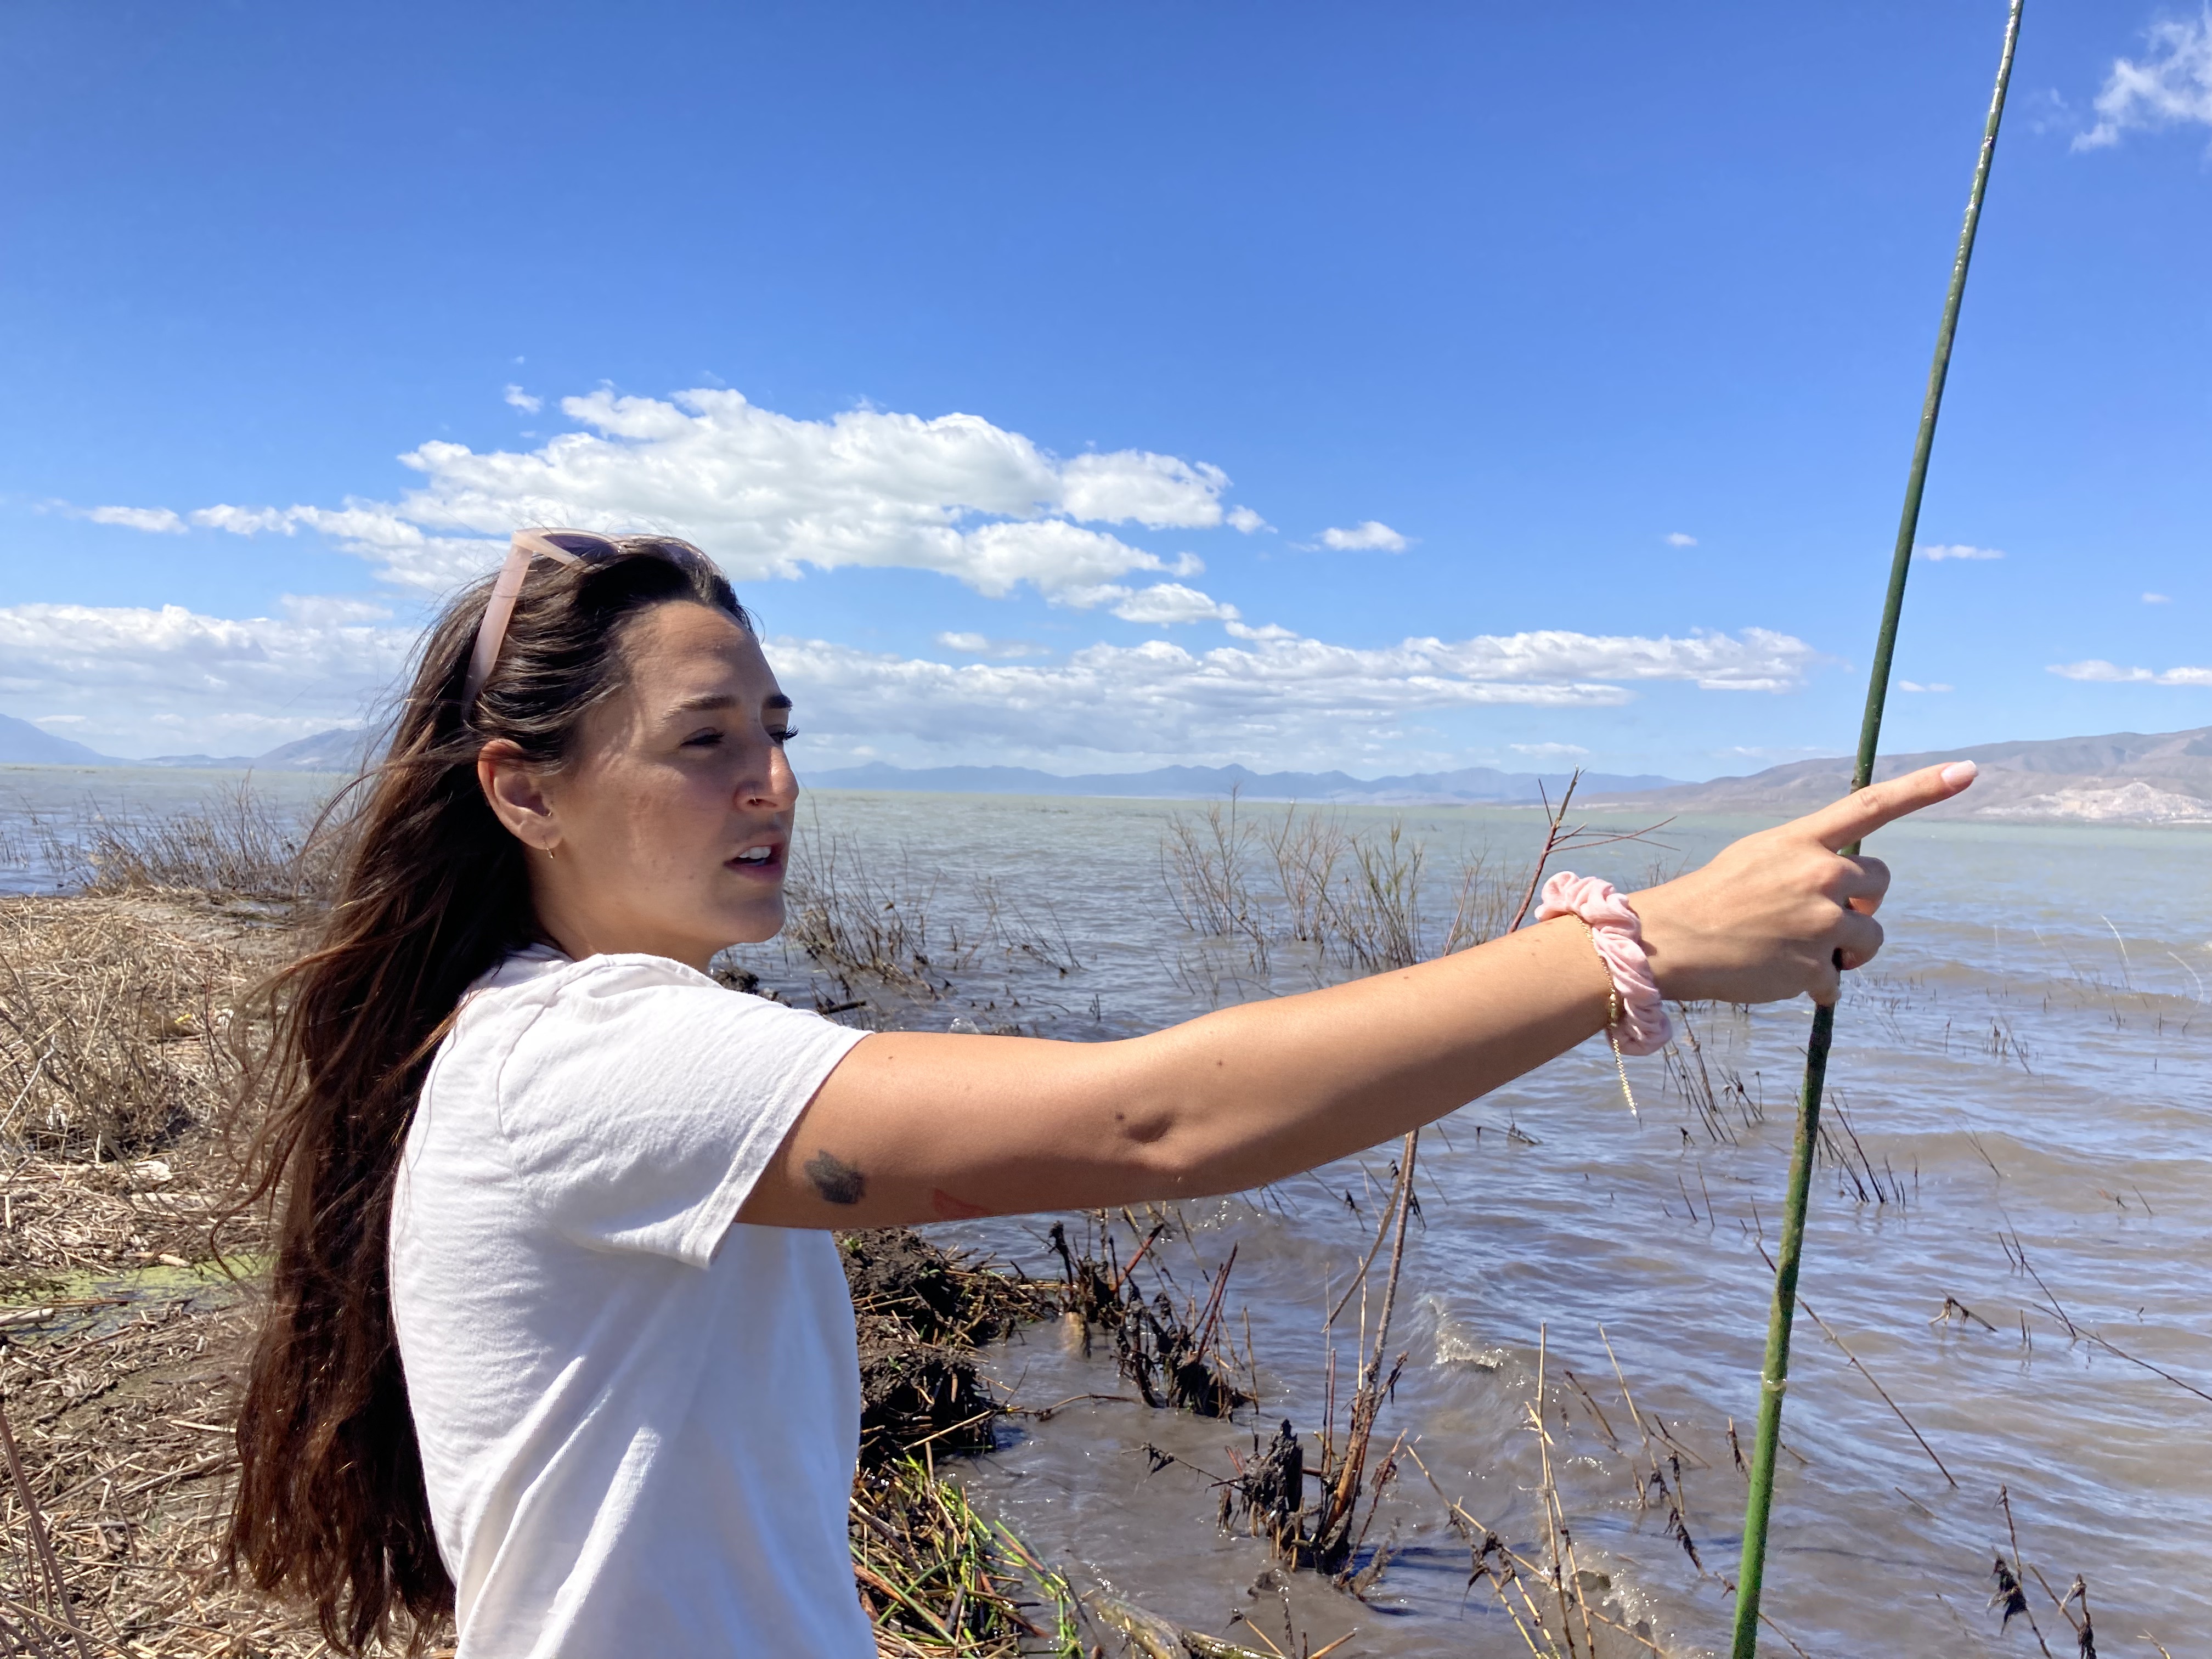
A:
(563, 547)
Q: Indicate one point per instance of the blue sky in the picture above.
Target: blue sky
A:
(969, 335)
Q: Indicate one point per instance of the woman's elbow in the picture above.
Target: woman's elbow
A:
(1174, 1160)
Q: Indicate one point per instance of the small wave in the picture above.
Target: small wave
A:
(1453, 1349)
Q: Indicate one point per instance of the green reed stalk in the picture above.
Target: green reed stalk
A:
(1774, 1376)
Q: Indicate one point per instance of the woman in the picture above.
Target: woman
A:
(558, 1340)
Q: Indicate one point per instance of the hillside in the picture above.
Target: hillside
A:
(339, 750)
(2123, 777)
(22, 744)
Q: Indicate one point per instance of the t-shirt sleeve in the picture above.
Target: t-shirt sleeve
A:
(643, 1102)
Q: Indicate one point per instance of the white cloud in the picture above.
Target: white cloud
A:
(1940, 553)
(1551, 750)
(245, 520)
(2097, 671)
(1373, 536)
(980, 645)
(1760, 660)
(331, 610)
(156, 520)
(1271, 697)
(771, 496)
(1158, 490)
(170, 680)
(2171, 86)
(152, 682)
(1915, 685)
(1676, 538)
(1165, 603)
(524, 401)
(2158, 599)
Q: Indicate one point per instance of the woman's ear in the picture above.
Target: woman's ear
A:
(511, 787)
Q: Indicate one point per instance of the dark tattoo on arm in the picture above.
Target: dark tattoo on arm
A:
(838, 1181)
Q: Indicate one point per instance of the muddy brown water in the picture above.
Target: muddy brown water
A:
(2028, 1069)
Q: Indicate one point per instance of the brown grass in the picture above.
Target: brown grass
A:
(117, 1360)
(873, 932)
(1311, 898)
(120, 1347)
(110, 1016)
(237, 842)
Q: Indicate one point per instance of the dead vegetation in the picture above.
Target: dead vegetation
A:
(111, 1013)
(938, 1577)
(1316, 896)
(116, 1353)
(1333, 899)
(1174, 1349)
(922, 1312)
(237, 843)
(1562, 1607)
(120, 1343)
(872, 932)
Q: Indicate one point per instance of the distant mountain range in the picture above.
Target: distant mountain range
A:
(22, 744)
(339, 749)
(1470, 785)
(2124, 777)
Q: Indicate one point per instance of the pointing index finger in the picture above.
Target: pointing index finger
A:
(1860, 814)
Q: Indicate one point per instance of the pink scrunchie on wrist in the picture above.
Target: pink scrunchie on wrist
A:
(1618, 933)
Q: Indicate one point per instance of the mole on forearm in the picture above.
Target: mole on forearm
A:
(838, 1181)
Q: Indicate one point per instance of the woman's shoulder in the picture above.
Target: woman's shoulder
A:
(540, 973)
(547, 995)
(561, 1040)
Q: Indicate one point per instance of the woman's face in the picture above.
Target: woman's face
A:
(668, 829)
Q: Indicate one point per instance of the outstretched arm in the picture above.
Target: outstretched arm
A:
(919, 1125)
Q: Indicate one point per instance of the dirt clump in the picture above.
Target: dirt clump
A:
(920, 1313)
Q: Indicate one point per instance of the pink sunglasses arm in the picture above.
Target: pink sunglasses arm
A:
(491, 632)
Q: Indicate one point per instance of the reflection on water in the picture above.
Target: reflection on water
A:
(2017, 1226)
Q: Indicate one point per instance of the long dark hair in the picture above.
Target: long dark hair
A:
(433, 892)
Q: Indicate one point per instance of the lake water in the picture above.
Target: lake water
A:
(43, 805)
(2027, 1070)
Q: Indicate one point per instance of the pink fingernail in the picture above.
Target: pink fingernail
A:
(1958, 773)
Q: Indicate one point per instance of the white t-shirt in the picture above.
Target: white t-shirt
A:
(639, 1420)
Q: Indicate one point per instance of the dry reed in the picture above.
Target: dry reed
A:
(1175, 1350)
(874, 933)
(237, 843)
(119, 1355)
